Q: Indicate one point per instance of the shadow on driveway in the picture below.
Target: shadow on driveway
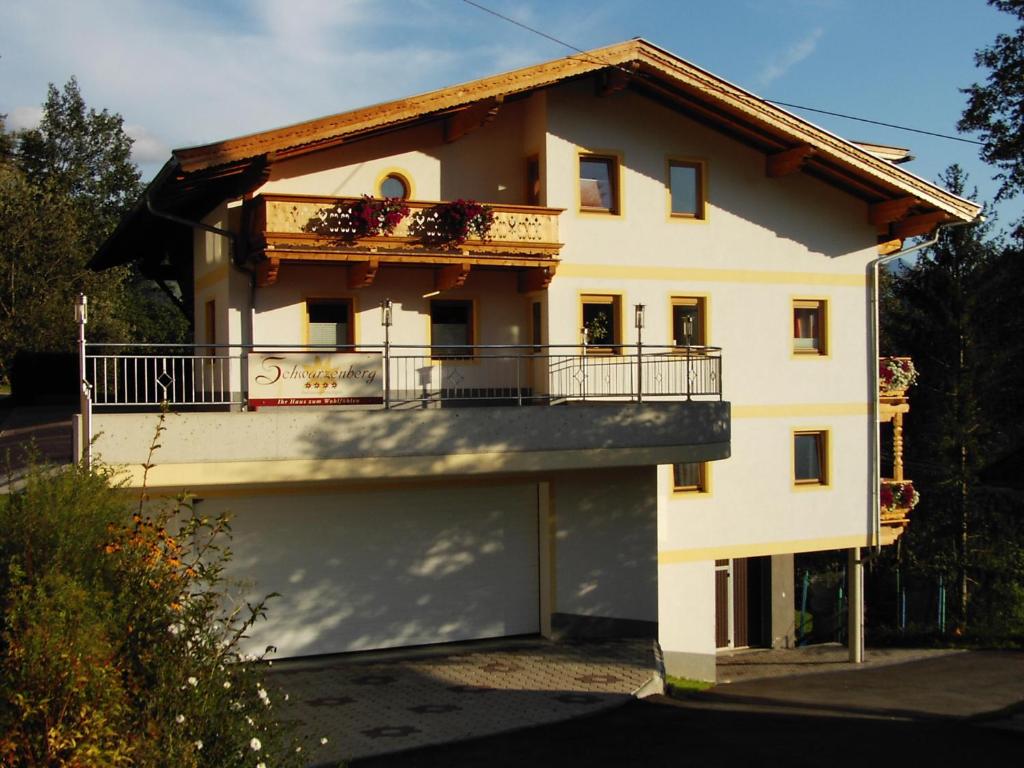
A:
(931, 712)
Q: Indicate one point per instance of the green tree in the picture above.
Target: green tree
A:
(995, 108)
(947, 311)
(63, 187)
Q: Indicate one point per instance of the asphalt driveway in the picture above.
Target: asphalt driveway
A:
(942, 710)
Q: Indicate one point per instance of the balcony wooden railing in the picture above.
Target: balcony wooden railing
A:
(300, 228)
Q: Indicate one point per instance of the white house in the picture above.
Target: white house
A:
(651, 383)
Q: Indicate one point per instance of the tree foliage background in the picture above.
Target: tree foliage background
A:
(64, 185)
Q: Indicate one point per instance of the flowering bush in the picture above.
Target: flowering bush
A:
(898, 495)
(115, 645)
(451, 224)
(366, 217)
(896, 373)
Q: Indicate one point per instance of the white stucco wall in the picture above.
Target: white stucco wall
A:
(605, 564)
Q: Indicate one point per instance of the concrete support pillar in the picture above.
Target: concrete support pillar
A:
(686, 619)
(783, 612)
(855, 622)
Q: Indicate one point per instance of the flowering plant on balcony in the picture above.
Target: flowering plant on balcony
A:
(368, 217)
(451, 224)
(895, 495)
(895, 374)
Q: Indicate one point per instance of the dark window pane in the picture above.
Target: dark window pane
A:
(808, 457)
(599, 321)
(597, 183)
(329, 323)
(688, 476)
(393, 186)
(687, 329)
(451, 325)
(684, 184)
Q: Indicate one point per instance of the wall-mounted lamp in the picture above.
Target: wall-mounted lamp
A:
(638, 315)
(385, 313)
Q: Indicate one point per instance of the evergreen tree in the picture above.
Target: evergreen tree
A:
(996, 108)
(947, 312)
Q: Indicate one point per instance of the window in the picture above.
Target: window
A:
(599, 184)
(809, 327)
(533, 180)
(601, 316)
(330, 322)
(690, 477)
(394, 185)
(810, 458)
(686, 189)
(688, 326)
(451, 329)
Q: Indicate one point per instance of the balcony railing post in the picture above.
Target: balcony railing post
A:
(689, 371)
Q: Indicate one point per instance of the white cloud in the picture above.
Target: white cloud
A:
(24, 117)
(146, 147)
(782, 62)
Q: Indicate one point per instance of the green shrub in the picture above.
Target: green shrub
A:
(115, 646)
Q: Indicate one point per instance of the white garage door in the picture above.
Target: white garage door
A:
(379, 569)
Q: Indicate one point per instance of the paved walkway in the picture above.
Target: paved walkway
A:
(372, 704)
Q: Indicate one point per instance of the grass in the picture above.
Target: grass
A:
(683, 686)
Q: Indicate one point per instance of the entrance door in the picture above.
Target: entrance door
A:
(741, 589)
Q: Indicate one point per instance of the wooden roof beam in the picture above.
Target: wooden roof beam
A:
(361, 274)
(919, 225)
(452, 276)
(609, 81)
(536, 279)
(885, 213)
(471, 118)
(788, 161)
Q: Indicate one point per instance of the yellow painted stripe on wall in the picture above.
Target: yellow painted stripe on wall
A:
(799, 410)
(696, 274)
(675, 556)
(212, 277)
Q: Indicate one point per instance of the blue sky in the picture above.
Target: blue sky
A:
(188, 72)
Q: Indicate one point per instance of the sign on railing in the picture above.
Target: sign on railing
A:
(297, 378)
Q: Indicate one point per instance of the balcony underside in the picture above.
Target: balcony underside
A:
(282, 447)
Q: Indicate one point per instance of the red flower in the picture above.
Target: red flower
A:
(886, 496)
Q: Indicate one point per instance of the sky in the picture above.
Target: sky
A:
(188, 72)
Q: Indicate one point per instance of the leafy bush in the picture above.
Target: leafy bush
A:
(115, 647)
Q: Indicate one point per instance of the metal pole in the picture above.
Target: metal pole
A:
(639, 321)
(855, 622)
(385, 309)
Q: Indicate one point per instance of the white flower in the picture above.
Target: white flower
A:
(179, 719)
(298, 749)
(249, 720)
(193, 682)
(255, 745)
(174, 629)
(263, 693)
(198, 744)
(261, 764)
(286, 697)
(323, 739)
(227, 683)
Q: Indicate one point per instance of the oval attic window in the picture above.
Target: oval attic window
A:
(394, 185)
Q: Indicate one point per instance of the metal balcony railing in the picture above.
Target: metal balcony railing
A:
(411, 376)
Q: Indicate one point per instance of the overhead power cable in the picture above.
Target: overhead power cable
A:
(572, 47)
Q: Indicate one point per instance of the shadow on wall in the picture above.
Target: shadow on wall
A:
(378, 569)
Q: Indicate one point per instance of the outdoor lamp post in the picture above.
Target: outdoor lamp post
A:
(85, 396)
(385, 320)
(638, 321)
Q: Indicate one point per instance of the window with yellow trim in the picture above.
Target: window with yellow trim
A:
(809, 327)
(690, 477)
(810, 458)
(599, 183)
(686, 188)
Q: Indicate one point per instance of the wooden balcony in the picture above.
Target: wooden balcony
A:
(284, 229)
